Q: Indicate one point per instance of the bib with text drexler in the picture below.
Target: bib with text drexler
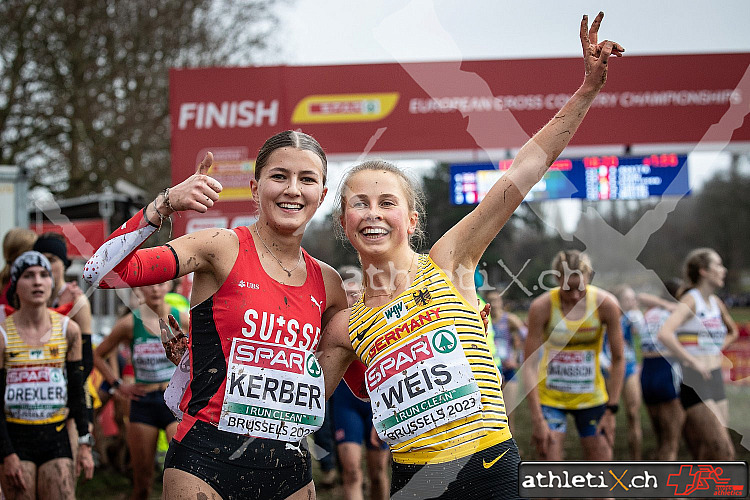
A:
(272, 391)
(35, 394)
(421, 385)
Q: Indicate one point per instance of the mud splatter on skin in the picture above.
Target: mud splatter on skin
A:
(505, 193)
(201, 496)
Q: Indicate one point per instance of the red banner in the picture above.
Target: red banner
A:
(83, 236)
(737, 362)
(438, 109)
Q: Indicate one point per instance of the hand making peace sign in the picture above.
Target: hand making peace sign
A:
(595, 53)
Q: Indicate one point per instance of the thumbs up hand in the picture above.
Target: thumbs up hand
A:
(198, 192)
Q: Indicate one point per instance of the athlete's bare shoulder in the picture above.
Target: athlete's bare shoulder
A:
(328, 271)
(335, 294)
(606, 299)
(541, 302)
(215, 247)
(213, 235)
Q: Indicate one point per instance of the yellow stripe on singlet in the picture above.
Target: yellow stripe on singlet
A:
(53, 353)
(371, 333)
(585, 335)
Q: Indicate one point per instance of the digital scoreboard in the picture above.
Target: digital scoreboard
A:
(590, 178)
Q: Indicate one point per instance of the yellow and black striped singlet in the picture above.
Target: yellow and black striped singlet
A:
(23, 362)
(569, 374)
(429, 303)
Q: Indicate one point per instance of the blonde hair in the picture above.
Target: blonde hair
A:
(412, 192)
(16, 241)
(572, 260)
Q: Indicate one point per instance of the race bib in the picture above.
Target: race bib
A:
(420, 386)
(150, 363)
(712, 338)
(571, 371)
(272, 391)
(654, 319)
(35, 394)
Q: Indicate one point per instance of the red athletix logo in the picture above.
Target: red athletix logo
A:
(687, 481)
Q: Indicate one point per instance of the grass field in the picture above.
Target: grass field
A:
(110, 485)
(741, 314)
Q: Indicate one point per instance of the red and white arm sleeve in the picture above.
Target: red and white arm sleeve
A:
(119, 264)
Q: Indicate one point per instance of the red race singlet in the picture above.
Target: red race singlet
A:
(253, 317)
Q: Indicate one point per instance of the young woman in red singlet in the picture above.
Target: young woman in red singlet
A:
(258, 306)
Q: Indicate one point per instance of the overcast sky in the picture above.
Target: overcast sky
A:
(318, 32)
(350, 31)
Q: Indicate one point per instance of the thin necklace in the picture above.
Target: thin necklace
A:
(288, 271)
(397, 284)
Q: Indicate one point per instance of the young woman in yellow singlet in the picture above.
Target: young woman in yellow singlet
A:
(562, 373)
(433, 384)
(41, 382)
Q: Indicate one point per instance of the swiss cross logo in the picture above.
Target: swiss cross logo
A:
(692, 478)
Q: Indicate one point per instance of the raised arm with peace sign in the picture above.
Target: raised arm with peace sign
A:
(595, 53)
(463, 245)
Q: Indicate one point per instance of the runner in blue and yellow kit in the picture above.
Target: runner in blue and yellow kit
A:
(433, 384)
(566, 330)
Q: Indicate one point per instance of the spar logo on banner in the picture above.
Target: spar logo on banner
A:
(342, 108)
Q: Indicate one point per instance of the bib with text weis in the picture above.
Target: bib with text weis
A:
(421, 385)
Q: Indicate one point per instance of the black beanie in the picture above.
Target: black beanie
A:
(55, 246)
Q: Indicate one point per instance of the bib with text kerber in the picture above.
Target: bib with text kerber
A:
(272, 391)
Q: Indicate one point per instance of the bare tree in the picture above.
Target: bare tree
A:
(84, 83)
